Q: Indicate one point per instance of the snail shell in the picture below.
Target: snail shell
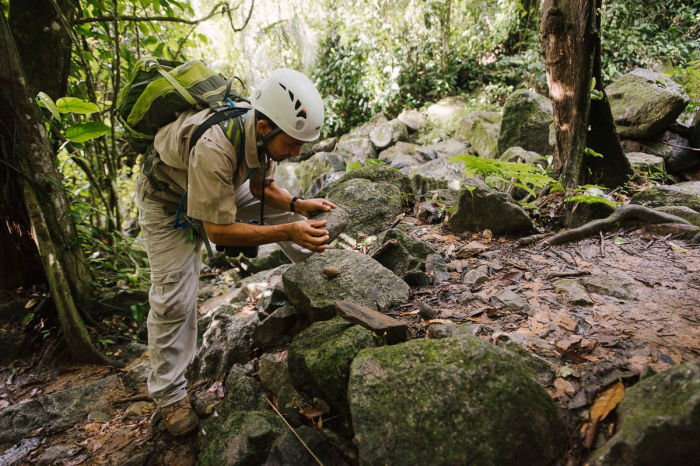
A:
(332, 272)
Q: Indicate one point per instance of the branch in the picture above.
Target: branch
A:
(167, 19)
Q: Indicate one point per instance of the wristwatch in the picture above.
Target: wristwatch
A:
(291, 204)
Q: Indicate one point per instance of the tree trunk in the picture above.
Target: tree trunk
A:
(43, 44)
(570, 40)
(26, 149)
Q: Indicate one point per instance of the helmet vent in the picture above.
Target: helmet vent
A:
(297, 105)
(282, 86)
(291, 96)
(300, 124)
(302, 114)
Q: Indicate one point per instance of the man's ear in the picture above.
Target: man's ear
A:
(263, 127)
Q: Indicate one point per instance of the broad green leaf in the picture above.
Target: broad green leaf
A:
(593, 153)
(75, 105)
(47, 102)
(618, 240)
(590, 200)
(353, 166)
(85, 131)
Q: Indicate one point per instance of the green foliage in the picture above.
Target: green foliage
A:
(588, 199)
(83, 132)
(75, 105)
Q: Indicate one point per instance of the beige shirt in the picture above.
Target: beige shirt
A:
(209, 172)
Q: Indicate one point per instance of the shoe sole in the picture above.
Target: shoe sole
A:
(188, 431)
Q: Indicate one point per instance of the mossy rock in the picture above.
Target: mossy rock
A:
(667, 196)
(514, 154)
(658, 422)
(525, 123)
(683, 212)
(239, 432)
(644, 103)
(406, 255)
(320, 357)
(455, 401)
(376, 174)
(362, 281)
(317, 165)
(289, 451)
(357, 148)
(436, 174)
(647, 165)
(369, 205)
(481, 129)
(287, 177)
(387, 134)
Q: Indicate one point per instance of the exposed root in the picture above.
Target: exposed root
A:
(626, 212)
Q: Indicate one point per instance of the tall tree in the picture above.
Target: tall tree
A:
(25, 149)
(570, 40)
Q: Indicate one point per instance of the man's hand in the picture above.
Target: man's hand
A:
(306, 206)
(307, 235)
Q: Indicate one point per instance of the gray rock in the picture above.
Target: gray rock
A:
(16, 453)
(320, 357)
(431, 212)
(387, 134)
(99, 416)
(357, 149)
(682, 212)
(479, 208)
(644, 103)
(618, 286)
(399, 396)
(481, 130)
(525, 123)
(690, 187)
(446, 109)
(319, 164)
(57, 452)
(695, 131)
(477, 276)
(682, 158)
(658, 421)
(240, 433)
(515, 154)
(466, 297)
(320, 182)
(363, 131)
(511, 301)
(272, 298)
(269, 333)
(413, 119)
(336, 222)
(544, 370)
(647, 165)
(573, 292)
(225, 342)
(417, 278)
(401, 150)
(405, 255)
(436, 174)
(448, 148)
(375, 174)
(56, 411)
(362, 281)
(274, 376)
(327, 145)
(289, 451)
(287, 177)
(658, 196)
(439, 331)
(435, 265)
(369, 205)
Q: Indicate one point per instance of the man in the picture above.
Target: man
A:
(287, 111)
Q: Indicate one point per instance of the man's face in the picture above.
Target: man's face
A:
(282, 146)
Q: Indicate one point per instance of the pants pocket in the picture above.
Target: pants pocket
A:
(167, 298)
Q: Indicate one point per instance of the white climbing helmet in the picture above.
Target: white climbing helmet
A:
(292, 102)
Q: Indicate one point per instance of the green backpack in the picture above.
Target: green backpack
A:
(160, 90)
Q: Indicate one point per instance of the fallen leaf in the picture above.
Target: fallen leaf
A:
(312, 412)
(606, 401)
(676, 248)
(512, 277)
(563, 387)
(440, 321)
(487, 234)
(31, 303)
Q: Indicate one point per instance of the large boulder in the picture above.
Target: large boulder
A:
(683, 212)
(448, 148)
(242, 429)
(403, 156)
(57, 411)
(327, 145)
(373, 173)
(272, 331)
(481, 130)
(458, 400)
(318, 164)
(274, 376)
(406, 254)
(320, 357)
(525, 123)
(287, 177)
(479, 208)
(289, 451)
(320, 182)
(389, 133)
(658, 422)
(617, 286)
(357, 149)
(647, 165)
(670, 146)
(362, 281)
(225, 342)
(518, 154)
(446, 109)
(436, 174)
(658, 196)
(695, 131)
(370, 205)
(364, 130)
(644, 103)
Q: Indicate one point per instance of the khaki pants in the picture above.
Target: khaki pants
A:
(175, 265)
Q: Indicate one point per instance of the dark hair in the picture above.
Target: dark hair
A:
(261, 116)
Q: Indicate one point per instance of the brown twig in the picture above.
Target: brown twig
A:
(602, 244)
(575, 273)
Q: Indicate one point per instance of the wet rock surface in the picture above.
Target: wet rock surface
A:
(525, 123)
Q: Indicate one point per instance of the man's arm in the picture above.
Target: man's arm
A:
(304, 233)
(277, 198)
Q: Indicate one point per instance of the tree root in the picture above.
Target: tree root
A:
(626, 212)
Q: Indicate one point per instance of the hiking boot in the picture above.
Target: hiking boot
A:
(180, 418)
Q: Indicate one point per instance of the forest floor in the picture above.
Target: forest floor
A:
(585, 344)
